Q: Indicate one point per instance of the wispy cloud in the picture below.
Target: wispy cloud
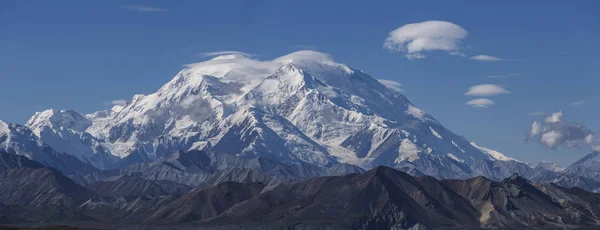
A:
(576, 103)
(221, 53)
(486, 90)
(120, 102)
(457, 53)
(480, 103)
(418, 38)
(486, 58)
(505, 75)
(537, 113)
(394, 85)
(141, 8)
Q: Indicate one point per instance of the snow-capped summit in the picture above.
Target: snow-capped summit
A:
(65, 131)
(58, 119)
(20, 140)
(301, 107)
(588, 166)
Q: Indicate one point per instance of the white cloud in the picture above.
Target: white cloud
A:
(141, 8)
(555, 117)
(221, 53)
(457, 53)
(554, 132)
(593, 141)
(485, 58)
(120, 102)
(536, 128)
(415, 56)
(416, 38)
(394, 85)
(552, 139)
(486, 90)
(506, 75)
(480, 103)
(576, 103)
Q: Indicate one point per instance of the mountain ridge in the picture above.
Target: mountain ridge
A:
(301, 107)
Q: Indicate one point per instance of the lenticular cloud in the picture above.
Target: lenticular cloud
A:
(416, 38)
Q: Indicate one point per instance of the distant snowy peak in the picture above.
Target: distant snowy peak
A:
(4, 128)
(588, 166)
(21, 140)
(65, 132)
(549, 166)
(494, 155)
(58, 119)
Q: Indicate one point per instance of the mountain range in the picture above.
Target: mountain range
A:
(301, 107)
(281, 137)
(381, 198)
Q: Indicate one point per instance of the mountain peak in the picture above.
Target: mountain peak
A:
(4, 128)
(302, 107)
(591, 158)
(549, 166)
(59, 119)
(310, 59)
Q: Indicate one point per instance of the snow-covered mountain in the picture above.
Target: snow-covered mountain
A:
(588, 166)
(20, 140)
(64, 131)
(549, 166)
(301, 107)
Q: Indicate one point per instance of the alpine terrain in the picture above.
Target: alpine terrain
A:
(299, 141)
(299, 108)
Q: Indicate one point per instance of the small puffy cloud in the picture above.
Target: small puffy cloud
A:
(554, 132)
(554, 118)
(394, 85)
(486, 90)
(576, 103)
(485, 58)
(480, 103)
(141, 8)
(506, 75)
(593, 141)
(115, 103)
(417, 38)
(552, 138)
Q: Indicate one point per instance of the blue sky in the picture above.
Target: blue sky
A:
(82, 54)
